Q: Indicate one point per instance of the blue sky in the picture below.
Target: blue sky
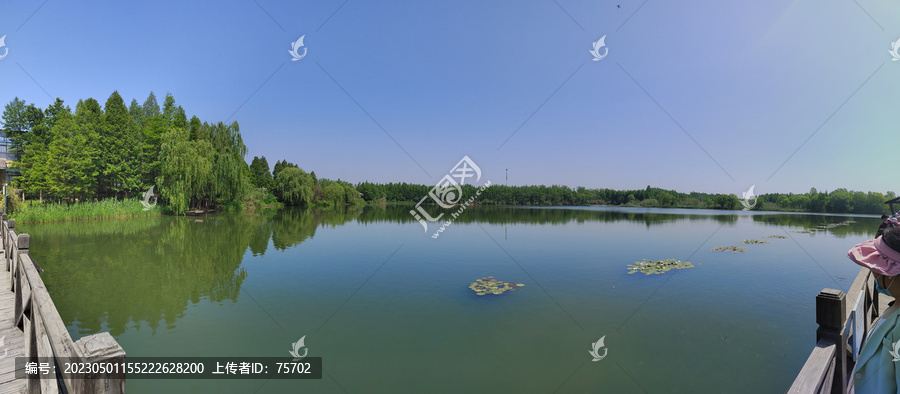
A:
(707, 96)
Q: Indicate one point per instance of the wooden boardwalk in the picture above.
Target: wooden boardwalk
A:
(13, 339)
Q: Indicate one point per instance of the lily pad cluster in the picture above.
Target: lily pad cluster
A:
(776, 236)
(657, 267)
(489, 285)
(753, 241)
(738, 249)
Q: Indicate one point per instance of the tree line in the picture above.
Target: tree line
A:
(837, 201)
(119, 151)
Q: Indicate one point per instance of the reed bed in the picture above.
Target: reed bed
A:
(36, 212)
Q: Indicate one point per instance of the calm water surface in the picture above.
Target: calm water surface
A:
(389, 310)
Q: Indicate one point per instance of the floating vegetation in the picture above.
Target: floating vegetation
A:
(658, 266)
(753, 241)
(776, 236)
(738, 249)
(489, 285)
(825, 227)
(833, 225)
(802, 231)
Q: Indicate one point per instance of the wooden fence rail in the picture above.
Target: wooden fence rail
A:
(45, 333)
(839, 337)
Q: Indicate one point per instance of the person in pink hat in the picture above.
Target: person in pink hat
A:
(877, 368)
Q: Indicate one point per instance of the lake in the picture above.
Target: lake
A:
(389, 309)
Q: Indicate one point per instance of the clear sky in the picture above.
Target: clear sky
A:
(709, 96)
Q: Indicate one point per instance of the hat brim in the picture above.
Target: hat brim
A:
(868, 255)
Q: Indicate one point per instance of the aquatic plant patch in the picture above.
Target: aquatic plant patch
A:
(776, 236)
(657, 267)
(753, 241)
(833, 225)
(738, 249)
(489, 285)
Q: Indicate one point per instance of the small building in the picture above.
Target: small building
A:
(7, 173)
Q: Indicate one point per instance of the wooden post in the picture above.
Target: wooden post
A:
(831, 310)
(7, 225)
(101, 348)
(10, 226)
(22, 242)
(3, 234)
(22, 293)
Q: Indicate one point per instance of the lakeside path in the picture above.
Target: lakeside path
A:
(12, 339)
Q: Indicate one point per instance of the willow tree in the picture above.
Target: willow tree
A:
(186, 169)
(230, 173)
(294, 186)
(202, 166)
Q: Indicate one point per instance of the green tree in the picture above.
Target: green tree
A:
(15, 124)
(333, 194)
(351, 195)
(293, 186)
(186, 169)
(666, 199)
(119, 135)
(229, 179)
(173, 114)
(839, 201)
(151, 106)
(137, 112)
(259, 172)
(154, 126)
(70, 156)
(34, 170)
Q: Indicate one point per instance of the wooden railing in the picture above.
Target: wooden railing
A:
(839, 337)
(45, 333)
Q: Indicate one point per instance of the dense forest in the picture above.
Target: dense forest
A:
(119, 151)
(837, 201)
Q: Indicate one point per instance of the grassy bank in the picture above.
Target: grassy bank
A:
(36, 212)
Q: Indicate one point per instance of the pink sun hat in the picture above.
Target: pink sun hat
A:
(875, 255)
